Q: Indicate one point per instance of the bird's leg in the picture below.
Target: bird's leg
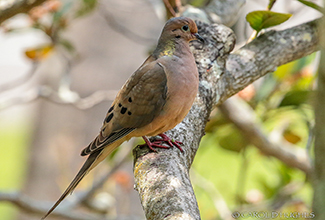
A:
(169, 141)
(158, 143)
(151, 145)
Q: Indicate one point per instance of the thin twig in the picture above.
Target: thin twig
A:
(53, 96)
(111, 21)
(120, 159)
(40, 207)
(18, 6)
(170, 8)
(20, 81)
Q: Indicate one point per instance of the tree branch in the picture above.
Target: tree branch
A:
(244, 118)
(113, 23)
(162, 179)
(264, 54)
(221, 12)
(66, 210)
(18, 6)
(66, 97)
(36, 207)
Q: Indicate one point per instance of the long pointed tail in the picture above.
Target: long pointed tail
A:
(82, 172)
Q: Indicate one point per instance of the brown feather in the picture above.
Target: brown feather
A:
(154, 99)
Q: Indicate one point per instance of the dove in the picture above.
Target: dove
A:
(156, 97)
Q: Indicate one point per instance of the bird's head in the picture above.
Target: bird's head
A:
(181, 28)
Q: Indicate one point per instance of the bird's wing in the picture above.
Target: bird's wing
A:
(139, 101)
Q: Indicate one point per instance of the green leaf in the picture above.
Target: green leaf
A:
(312, 5)
(67, 45)
(86, 7)
(296, 98)
(259, 20)
(232, 139)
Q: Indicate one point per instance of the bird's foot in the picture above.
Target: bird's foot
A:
(169, 141)
(158, 143)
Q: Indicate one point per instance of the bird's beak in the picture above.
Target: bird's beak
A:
(197, 36)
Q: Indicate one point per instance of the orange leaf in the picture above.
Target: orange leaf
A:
(39, 53)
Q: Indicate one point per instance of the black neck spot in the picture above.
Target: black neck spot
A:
(123, 110)
(109, 117)
(110, 109)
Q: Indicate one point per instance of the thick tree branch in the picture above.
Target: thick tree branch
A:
(264, 54)
(244, 118)
(162, 179)
(18, 6)
(221, 12)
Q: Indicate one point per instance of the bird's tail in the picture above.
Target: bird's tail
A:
(87, 166)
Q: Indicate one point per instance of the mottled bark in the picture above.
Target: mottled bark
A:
(216, 11)
(162, 179)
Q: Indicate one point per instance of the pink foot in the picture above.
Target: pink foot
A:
(158, 143)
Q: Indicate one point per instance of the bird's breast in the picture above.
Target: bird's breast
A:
(182, 86)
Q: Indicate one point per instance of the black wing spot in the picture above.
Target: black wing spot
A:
(178, 36)
(119, 105)
(129, 113)
(109, 117)
(123, 110)
(130, 99)
(110, 109)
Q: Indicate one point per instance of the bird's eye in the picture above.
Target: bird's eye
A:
(185, 28)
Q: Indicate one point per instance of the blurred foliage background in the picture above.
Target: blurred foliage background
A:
(229, 173)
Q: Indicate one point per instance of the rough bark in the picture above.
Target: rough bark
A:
(216, 11)
(162, 179)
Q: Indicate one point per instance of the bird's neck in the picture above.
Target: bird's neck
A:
(169, 48)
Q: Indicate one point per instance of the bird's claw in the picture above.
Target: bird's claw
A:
(158, 143)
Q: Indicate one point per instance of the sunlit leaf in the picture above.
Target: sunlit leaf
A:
(291, 137)
(39, 53)
(312, 5)
(259, 20)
